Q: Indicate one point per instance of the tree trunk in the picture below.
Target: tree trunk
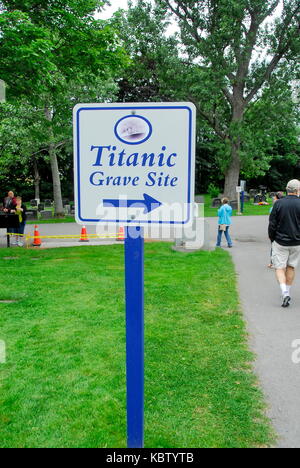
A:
(233, 173)
(58, 205)
(37, 180)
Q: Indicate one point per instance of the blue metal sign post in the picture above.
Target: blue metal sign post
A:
(242, 201)
(134, 283)
(243, 187)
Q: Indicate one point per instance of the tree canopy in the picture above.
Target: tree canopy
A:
(237, 60)
(236, 47)
(53, 53)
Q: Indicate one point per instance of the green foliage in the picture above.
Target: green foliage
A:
(155, 66)
(55, 12)
(55, 53)
(62, 55)
(270, 129)
(234, 48)
(49, 48)
(21, 137)
(26, 54)
(24, 137)
(213, 190)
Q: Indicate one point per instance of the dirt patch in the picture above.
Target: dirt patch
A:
(59, 259)
(246, 239)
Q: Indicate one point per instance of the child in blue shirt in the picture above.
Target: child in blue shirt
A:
(224, 214)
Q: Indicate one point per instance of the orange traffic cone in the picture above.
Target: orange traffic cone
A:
(121, 234)
(37, 240)
(84, 237)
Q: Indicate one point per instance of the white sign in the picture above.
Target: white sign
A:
(134, 163)
(239, 189)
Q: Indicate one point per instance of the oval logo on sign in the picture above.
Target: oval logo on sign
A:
(133, 129)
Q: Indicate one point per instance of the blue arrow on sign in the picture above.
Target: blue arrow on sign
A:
(149, 203)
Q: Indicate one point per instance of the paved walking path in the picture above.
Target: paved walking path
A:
(272, 329)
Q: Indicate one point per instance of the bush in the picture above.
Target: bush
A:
(213, 190)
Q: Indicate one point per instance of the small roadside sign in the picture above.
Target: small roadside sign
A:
(134, 163)
(238, 189)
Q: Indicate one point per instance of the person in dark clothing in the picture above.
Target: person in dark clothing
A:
(277, 196)
(284, 233)
(9, 203)
(20, 210)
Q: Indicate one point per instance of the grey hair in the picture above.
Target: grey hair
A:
(293, 186)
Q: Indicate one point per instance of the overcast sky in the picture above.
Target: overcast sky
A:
(109, 11)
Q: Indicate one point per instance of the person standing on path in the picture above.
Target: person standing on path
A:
(19, 232)
(224, 214)
(276, 197)
(284, 233)
(9, 203)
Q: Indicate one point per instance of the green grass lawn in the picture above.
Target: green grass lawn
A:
(63, 384)
(66, 219)
(249, 208)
